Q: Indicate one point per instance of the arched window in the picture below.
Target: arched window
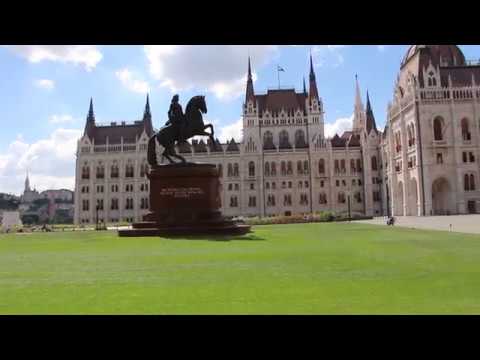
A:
(341, 198)
(100, 171)
(129, 170)
(466, 182)
(251, 168)
(466, 136)
(284, 142)
(114, 171)
(352, 166)
(359, 165)
(283, 168)
(437, 129)
(273, 168)
(143, 169)
(342, 165)
(300, 139)
(305, 167)
(230, 170)
(322, 198)
(299, 167)
(358, 197)
(289, 168)
(268, 141)
(321, 166)
(267, 169)
(374, 163)
(472, 182)
(85, 172)
(235, 169)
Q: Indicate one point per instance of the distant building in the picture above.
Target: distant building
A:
(47, 206)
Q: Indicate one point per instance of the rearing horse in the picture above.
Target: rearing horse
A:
(167, 136)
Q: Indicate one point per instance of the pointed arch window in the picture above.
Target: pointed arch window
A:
(251, 169)
(284, 142)
(466, 135)
(438, 129)
(321, 166)
(273, 168)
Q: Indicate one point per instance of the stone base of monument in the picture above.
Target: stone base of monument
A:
(185, 201)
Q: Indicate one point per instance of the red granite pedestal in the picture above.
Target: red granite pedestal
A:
(185, 201)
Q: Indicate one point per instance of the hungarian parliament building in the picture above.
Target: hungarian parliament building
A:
(424, 162)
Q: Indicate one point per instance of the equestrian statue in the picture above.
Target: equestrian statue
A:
(179, 128)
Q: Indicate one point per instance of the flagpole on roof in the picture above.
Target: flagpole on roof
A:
(278, 73)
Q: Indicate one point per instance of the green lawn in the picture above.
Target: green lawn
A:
(279, 269)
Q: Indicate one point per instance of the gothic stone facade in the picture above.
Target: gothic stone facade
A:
(284, 165)
(431, 143)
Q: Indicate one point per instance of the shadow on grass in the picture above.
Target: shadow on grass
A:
(248, 237)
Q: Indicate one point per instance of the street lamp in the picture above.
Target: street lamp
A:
(349, 208)
(96, 221)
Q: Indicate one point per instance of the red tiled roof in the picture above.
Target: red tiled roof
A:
(129, 132)
(276, 100)
(337, 141)
(461, 76)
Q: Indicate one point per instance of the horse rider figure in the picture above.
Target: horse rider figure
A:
(176, 118)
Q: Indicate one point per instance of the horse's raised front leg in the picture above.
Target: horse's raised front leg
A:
(166, 153)
(173, 153)
(212, 133)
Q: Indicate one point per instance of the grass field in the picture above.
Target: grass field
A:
(322, 268)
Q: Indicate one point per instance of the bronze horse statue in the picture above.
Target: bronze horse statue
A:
(169, 135)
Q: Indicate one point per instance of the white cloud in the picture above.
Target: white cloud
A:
(339, 126)
(219, 69)
(45, 84)
(86, 55)
(60, 119)
(233, 130)
(328, 55)
(127, 79)
(50, 162)
(382, 48)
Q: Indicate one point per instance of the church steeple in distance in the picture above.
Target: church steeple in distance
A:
(27, 183)
(313, 92)
(250, 94)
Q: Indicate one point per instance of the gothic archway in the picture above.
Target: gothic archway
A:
(441, 197)
(398, 206)
(412, 204)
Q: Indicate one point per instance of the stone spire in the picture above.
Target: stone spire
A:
(359, 111)
(250, 94)
(147, 118)
(371, 125)
(313, 92)
(91, 115)
(27, 183)
(304, 86)
(90, 124)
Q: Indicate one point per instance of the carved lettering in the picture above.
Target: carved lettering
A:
(185, 192)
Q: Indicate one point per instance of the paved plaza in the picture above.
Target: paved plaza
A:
(456, 223)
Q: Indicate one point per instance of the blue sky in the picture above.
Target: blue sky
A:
(46, 92)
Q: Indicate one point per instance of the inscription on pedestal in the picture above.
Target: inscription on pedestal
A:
(182, 192)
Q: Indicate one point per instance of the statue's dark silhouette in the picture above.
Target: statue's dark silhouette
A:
(179, 128)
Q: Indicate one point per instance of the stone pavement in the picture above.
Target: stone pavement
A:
(456, 223)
